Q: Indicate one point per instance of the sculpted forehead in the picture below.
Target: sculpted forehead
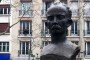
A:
(57, 9)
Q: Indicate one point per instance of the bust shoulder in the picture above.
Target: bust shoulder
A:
(53, 57)
(66, 49)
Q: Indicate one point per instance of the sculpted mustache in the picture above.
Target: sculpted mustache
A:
(55, 26)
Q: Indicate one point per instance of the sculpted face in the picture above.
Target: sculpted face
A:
(57, 19)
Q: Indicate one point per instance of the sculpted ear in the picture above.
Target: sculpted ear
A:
(69, 22)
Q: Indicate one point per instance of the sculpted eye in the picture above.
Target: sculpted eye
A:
(50, 18)
(60, 17)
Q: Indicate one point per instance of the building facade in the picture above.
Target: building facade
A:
(28, 33)
(5, 40)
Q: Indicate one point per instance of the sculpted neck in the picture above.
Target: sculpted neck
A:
(58, 37)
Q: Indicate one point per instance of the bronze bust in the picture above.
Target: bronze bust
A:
(58, 20)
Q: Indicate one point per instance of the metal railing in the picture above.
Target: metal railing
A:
(25, 32)
(45, 33)
(26, 12)
(23, 52)
(86, 32)
(74, 33)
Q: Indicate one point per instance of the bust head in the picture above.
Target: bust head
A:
(58, 18)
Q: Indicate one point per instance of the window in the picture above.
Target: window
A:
(3, 27)
(75, 42)
(87, 9)
(44, 43)
(4, 9)
(24, 47)
(87, 27)
(25, 0)
(26, 8)
(25, 28)
(74, 8)
(74, 28)
(87, 48)
(45, 30)
(45, 6)
(87, 0)
(64, 1)
(4, 46)
(74, 0)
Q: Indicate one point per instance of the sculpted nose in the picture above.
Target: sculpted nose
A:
(55, 19)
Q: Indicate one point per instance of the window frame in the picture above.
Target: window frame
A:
(3, 11)
(28, 28)
(74, 28)
(74, 9)
(26, 9)
(87, 27)
(6, 46)
(86, 48)
(86, 9)
(45, 30)
(45, 6)
(24, 50)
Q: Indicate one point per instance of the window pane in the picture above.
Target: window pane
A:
(0, 48)
(25, 47)
(7, 48)
(4, 46)
(44, 43)
(0, 43)
(75, 42)
(25, 27)
(5, 10)
(74, 8)
(64, 1)
(45, 6)
(88, 27)
(87, 8)
(1, 10)
(8, 10)
(26, 8)
(74, 28)
(88, 48)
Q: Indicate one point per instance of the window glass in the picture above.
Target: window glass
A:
(24, 47)
(74, 28)
(26, 8)
(44, 43)
(87, 48)
(74, 8)
(87, 8)
(45, 6)
(88, 27)
(1, 10)
(45, 30)
(25, 27)
(4, 46)
(64, 1)
(5, 11)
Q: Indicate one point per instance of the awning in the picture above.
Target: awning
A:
(4, 56)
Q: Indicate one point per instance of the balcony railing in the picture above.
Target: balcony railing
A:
(25, 32)
(24, 12)
(74, 0)
(74, 33)
(86, 32)
(45, 33)
(23, 52)
(86, 13)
